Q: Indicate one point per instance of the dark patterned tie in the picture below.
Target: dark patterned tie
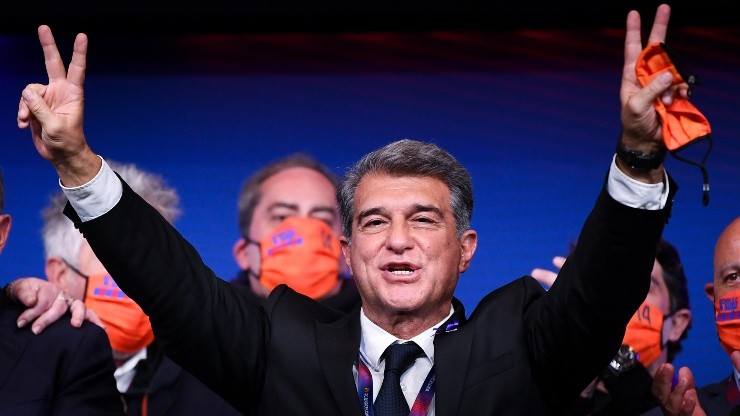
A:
(398, 358)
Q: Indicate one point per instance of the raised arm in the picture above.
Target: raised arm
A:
(202, 322)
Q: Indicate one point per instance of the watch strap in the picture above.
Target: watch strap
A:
(637, 160)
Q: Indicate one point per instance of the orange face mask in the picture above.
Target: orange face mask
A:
(127, 326)
(302, 253)
(727, 319)
(645, 333)
(682, 123)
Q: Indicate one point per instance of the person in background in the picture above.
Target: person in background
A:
(60, 371)
(292, 199)
(653, 336)
(405, 211)
(723, 397)
(150, 383)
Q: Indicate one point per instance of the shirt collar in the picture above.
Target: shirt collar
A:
(375, 340)
(124, 374)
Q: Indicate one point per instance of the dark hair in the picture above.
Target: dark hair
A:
(250, 194)
(411, 158)
(678, 293)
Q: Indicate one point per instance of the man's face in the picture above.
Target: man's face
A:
(404, 253)
(727, 261)
(291, 192)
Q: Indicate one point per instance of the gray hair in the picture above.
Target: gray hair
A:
(62, 239)
(411, 158)
(250, 194)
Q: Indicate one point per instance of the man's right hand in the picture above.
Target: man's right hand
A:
(54, 113)
(681, 400)
(47, 303)
(547, 277)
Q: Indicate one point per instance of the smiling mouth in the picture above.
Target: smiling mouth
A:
(400, 270)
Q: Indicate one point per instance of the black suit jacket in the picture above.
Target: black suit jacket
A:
(346, 300)
(522, 351)
(713, 397)
(162, 388)
(61, 371)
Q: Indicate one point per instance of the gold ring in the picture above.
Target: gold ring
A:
(67, 299)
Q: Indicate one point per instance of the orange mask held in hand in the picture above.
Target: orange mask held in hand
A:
(302, 253)
(127, 326)
(682, 123)
(644, 333)
(727, 319)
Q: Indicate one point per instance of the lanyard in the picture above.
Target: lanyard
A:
(365, 391)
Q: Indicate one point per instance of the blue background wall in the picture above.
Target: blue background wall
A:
(532, 113)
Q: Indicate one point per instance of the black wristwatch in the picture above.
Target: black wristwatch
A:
(624, 360)
(640, 161)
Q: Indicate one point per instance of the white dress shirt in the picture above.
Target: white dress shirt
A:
(375, 340)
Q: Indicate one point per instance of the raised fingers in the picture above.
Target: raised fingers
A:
(632, 43)
(53, 61)
(77, 66)
(683, 398)
(558, 261)
(660, 24)
(662, 383)
(544, 276)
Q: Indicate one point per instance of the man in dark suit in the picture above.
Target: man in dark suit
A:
(405, 210)
(61, 371)
(723, 397)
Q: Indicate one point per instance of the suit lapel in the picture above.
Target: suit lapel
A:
(13, 341)
(451, 356)
(338, 344)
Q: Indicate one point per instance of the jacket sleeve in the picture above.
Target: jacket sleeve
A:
(575, 329)
(201, 321)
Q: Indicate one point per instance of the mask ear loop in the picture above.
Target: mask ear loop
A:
(691, 80)
(664, 342)
(700, 165)
(82, 275)
(249, 270)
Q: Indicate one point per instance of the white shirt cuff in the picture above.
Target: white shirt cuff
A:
(96, 197)
(636, 194)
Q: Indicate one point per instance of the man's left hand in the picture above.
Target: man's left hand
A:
(47, 303)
